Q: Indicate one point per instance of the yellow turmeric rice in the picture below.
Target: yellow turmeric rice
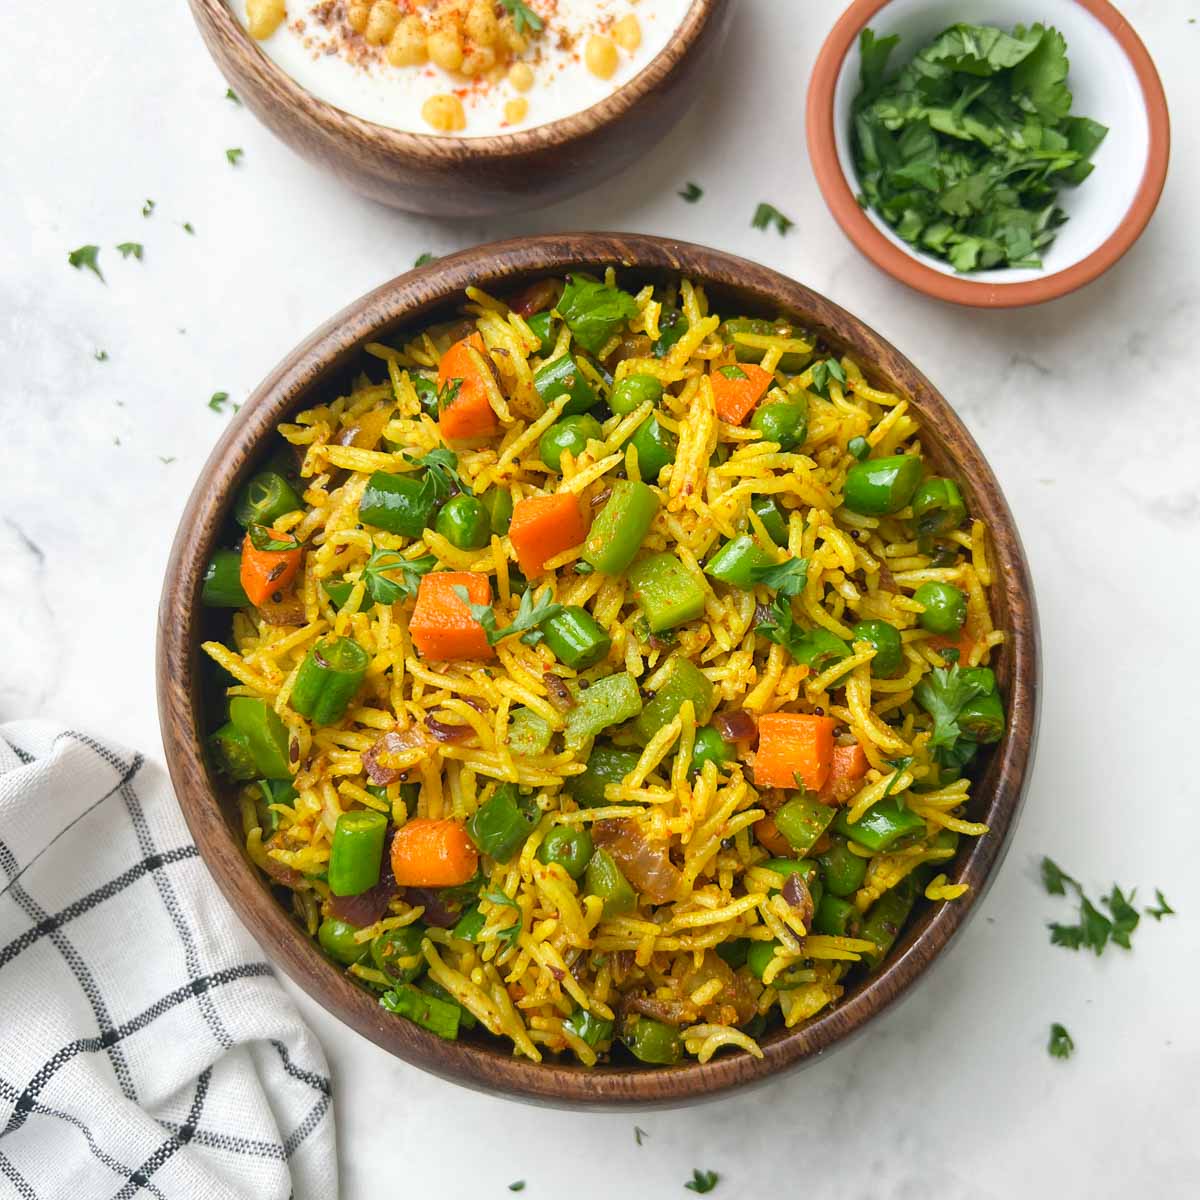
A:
(605, 672)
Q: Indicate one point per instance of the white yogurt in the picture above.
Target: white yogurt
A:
(376, 91)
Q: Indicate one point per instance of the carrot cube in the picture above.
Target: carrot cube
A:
(737, 388)
(794, 749)
(543, 526)
(469, 414)
(442, 627)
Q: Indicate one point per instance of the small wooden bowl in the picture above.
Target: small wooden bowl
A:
(472, 177)
(324, 361)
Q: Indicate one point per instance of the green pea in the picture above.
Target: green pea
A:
(758, 957)
(710, 747)
(781, 421)
(885, 637)
(945, 607)
(571, 433)
(882, 485)
(938, 507)
(570, 848)
(842, 870)
(655, 448)
(653, 1042)
(464, 523)
(633, 391)
(837, 917)
(337, 940)
(397, 952)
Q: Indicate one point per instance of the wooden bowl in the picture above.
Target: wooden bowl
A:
(1113, 81)
(326, 360)
(472, 177)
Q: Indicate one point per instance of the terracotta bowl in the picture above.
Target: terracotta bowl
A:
(1113, 81)
(325, 361)
(478, 176)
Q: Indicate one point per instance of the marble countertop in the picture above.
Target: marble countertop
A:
(1086, 409)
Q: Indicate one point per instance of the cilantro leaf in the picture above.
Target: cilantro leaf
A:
(943, 694)
(441, 472)
(900, 765)
(593, 311)
(530, 614)
(1054, 878)
(524, 18)
(1125, 917)
(86, 256)
(691, 192)
(766, 215)
(234, 155)
(639, 1133)
(379, 570)
(446, 394)
(1161, 909)
(423, 260)
(518, 1186)
(218, 400)
(702, 1181)
(230, 94)
(131, 250)
(823, 372)
(264, 538)
(787, 578)
(187, 228)
(1061, 1044)
(815, 648)
(509, 934)
(672, 325)
(101, 356)
(147, 208)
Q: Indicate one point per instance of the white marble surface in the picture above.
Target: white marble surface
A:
(1087, 409)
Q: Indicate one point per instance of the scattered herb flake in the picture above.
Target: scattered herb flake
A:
(1161, 909)
(131, 250)
(231, 95)
(691, 192)
(593, 311)
(1061, 1045)
(166, 459)
(1055, 879)
(147, 208)
(823, 372)
(702, 1181)
(218, 400)
(423, 260)
(524, 18)
(530, 614)
(639, 1134)
(379, 570)
(1093, 930)
(101, 356)
(766, 215)
(815, 648)
(234, 155)
(787, 578)
(442, 479)
(187, 228)
(943, 694)
(86, 256)
(518, 1186)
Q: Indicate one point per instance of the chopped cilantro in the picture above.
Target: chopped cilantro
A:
(1055, 879)
(639, 1133)
(441, 471)
(218, 400)
(423, 260)
(379, 571)
(815, 648)
(672, 325)
(823, 372)
(524, 18)
(530, 614)
(593, 311)
(101, 356)
(263, 538)
(230, 94)
(787, 578)
(234, 155)
(1061, 1045)
(518, 1186)
(943, 694)
(86, 256)
(131, 250)
(1093, 930)
(1161, 909)
(166, 459)
(766, 215)
(691, 192)
(147, 208)
(702, 1181)
(187, 228)
(732, 372)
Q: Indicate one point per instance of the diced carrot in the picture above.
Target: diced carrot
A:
(768, 835)
(737, 388)
(470, 413)
(962, 641)
(428, 853)
(543, 526)
(442, 626)
(791, 747)
(265, 572)
(846, 770)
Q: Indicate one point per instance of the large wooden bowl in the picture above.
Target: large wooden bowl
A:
(325, 360)
(471, 177)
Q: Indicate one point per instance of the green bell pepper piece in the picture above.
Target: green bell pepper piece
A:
(608, 701)
(603, 878)
(528, 734)
(802, 820)
(683, 681)
(606, 764)
(666, 592)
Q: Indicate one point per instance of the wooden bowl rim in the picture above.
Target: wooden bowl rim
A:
(908, 267)
(329, 350)
(337, 122)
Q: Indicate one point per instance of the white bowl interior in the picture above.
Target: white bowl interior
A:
(1104, 86)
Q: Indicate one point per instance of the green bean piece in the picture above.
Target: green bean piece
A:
(603, 878)
(885, 638)
(498, 503)
(593, 1030)
(328, 678)
(736, 561)
(540, 325)
(575, 638)
(734, 953)
(836, 917)
(265, 734)
(466, 1018)
(571, 433)
(771, 515)
(655, 448)
(607, 702)
(570, 848)
(264, 499)
(633, 391)
(562, 377)
(222, 586)
(859, 448)
(464, 522)
(710, 746)
(398, 503)
(666, 592)
(792, 363)
(424, 1010)
(683, 681)
(231, 753)
(784, 422)
(620, 526)
(938, 507)
(803, 820)
(982, 717)
(881, 486)
(886, 917)
(606, 764)
(356, 851)
(397, 952)
(337, 940)
(842, 870)
(884, 826)
(945, 607)
(499, 827)
(528, 734)
(653, 1042)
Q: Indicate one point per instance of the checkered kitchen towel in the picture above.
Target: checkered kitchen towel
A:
(146, 1048)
